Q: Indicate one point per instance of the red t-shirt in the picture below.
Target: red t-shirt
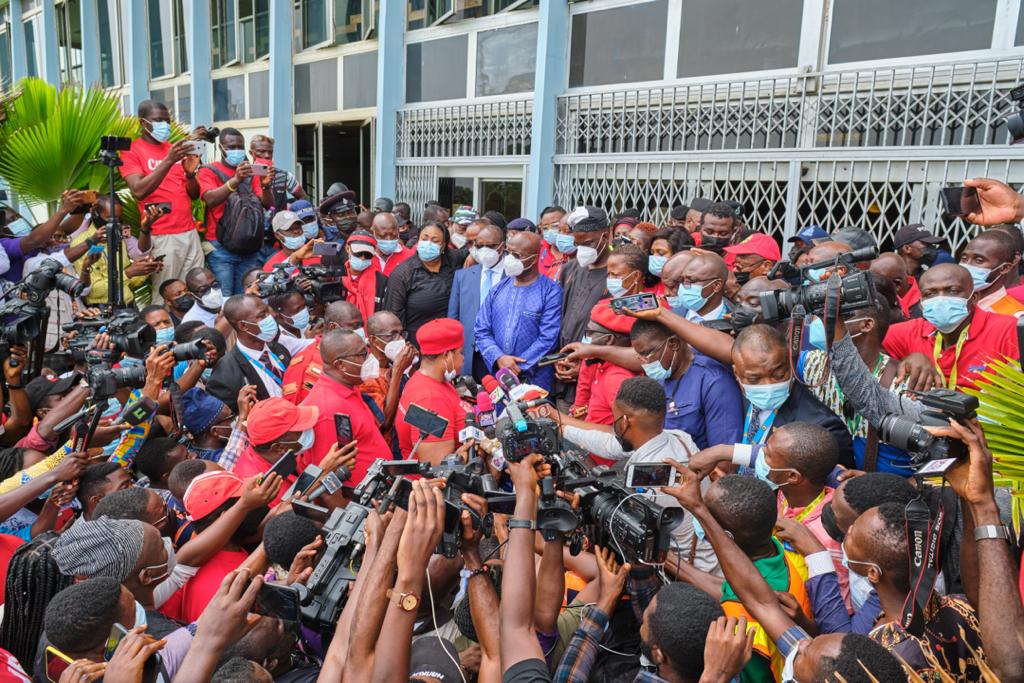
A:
(990, 335)
(189, 602)
(389, 266)
(250, 464)
(437, 397)
(330, 397)
(280, 256)
(142, 158)
(208, 180)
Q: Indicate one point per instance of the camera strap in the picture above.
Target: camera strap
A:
(924, 533)
(796, 336)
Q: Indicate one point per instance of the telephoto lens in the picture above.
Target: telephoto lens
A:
(193, 350)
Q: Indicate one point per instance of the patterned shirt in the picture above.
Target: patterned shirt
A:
(237, 443)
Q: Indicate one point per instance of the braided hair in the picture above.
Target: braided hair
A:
(32, 580)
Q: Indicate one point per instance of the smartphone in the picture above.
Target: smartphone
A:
(96, 249)
(198, 147)
(326, 249)
(89, 196)
(551, 359)
(960, 201)
(56, 663)
(310, 511)
(652, 476)
(164, 207)
(304, 482)
(343, 428)
(160, 258)
(404, 488)
(276, 600)
(426, 421)
(502, 503)
(260, 169)
(151, 669)
(644, 301)
(286, 466)
(398, 468)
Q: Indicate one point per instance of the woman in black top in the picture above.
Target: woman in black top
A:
(419, 287)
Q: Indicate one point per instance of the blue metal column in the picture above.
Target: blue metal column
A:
(281, 88)
(50, 68)
(390, 92)
(551, 78)
(19, 60)
(198, 20)
(90, 44)
(136, 65)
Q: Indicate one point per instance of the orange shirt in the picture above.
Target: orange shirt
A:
(302, 373)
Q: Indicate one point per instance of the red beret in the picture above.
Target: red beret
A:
(603, 315)
(438, 336)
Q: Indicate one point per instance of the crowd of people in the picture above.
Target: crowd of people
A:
(177, 487)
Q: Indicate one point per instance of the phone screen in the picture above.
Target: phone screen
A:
(635, 302)
(651, 476)
(275, 600)
(397, 468)
(285, 466)
(56, 663)
(117, 632)
(343, 428)
(326, 249)
(503, 504)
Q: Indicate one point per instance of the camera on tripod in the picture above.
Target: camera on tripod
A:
(910, 435)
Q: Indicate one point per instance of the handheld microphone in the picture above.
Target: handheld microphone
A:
(494, 390)
(470, 431)
(514, 414)
(514, 389)
(485, 410)
(330, 483)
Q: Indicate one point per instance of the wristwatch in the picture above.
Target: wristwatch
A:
(991, 531)
(521, 524)
(408, 602)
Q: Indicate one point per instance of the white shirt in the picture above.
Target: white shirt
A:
(199, 313)
(270, 382)
(716, 314)
(292, 343)
(671, 444)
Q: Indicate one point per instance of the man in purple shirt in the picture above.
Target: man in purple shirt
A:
(20, 241)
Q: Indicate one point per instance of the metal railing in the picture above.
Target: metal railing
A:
(489, 129)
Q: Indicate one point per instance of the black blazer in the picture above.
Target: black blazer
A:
(234, 371)
(803, 406)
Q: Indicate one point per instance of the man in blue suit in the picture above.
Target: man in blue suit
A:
(469, 289)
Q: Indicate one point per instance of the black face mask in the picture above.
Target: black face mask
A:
(183, 303)
(99, 221)
(347, 225)
(715, 244)
(929, 254)
(742, 278)
(625, 443)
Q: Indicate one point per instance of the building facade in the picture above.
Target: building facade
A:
(835, 112)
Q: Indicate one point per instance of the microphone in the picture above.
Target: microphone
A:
(514, 414)
(511, 384)
(330, 483)
(470, 431)
(493, 389)
(485, 410)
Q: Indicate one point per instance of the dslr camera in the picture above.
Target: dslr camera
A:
(911, 435)
(541, 436)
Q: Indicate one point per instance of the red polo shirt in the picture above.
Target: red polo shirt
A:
(387, 267)
(250, 464)
(990, 335)
(142, 158)
(551, 265)
(437, 397)
(911, 298)
(302, 374)
(331, 396)
(208, 180)
(189, 602)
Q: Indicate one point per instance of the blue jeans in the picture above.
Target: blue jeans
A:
(229, 267)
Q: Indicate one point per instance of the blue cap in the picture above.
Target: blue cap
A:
(302, 208)
(811, 234)
(201, 410)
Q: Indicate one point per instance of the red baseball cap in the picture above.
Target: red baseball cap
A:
(605, 316)
(271, 418)
(438, 336)
(209, 491)
(759, 244)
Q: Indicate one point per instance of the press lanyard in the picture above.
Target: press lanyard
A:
(937, 351)
(808, 509)
(762, 431)
(267, 371)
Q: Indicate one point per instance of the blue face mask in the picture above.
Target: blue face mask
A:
(945, 312)
(293, 242)
(165, 335)
(359, 264)
(767, 396)
(160, 130)
(691, 296)
(815, 274)
(387, 247)
(860, 585)
(19, 227)
(979, 275)
(761, 471)
(233, 157)
(586, 339)
(301, 319)
(698, 530)
(211, 454)
(306, 440)
(428, 251)
(675, 303)
(131, 362)
(656, 263)
(614, 285)
(656, 371)
(551, 237)
(268, 329)
(310, 230)
(565, 243)
(815, 331)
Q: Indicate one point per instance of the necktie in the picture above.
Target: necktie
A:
(755, 424)
(271, 367)
(488, 282)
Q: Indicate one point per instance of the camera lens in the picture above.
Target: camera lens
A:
(68, 284)
(193, 350)
(903, 433)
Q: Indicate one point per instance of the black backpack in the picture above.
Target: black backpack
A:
(240, 228)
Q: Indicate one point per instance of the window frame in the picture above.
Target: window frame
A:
(177, 10)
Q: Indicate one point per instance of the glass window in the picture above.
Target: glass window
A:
(223, 35)
(1020, 26)
(254, 26)
(6, 76)
(506, 59)
(436, 69)
(69, 41)
(348, 21)
(316, 86)
(111, 65)
(314, 22)
(360, 78)
(259, 94)
(168, 47)
(166, 96)
(229, 98)
(504, 196)
(184, 104)
(420, 13)
(730, 36)
(29, 5)
(33, 47)
(620, 45)
(181, 37)
(881, 29)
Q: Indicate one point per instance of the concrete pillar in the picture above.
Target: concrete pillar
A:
(19, 59)
(390, 91)
(282, 90)
(90, 44)
(198, 20)
(50, 68)
(136, 53)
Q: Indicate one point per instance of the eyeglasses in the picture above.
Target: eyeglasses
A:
(391, 336)
(690, 281)
(653, 353)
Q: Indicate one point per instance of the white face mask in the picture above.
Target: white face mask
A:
(393, 348)
(513, 267)
(458, 239)
(370, 369)
(450, 375)
(788, 668)
(487, 257)
(212, 300)
(586, 256)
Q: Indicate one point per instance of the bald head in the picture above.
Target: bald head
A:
(343, 315)
(525, 244)
(338, 344)
(891, 267)
(674, 267)
(385, 221)
(705, 265)
(749, 293)
(381, 321)
(828, 250)
(946, 279)
(244, 307)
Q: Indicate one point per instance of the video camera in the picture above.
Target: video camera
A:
(325, 592)
(857, 288)
(128, 333)
(911, 435)
(327, 286)
(24, 307)
(276, 282)
(540, 436)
